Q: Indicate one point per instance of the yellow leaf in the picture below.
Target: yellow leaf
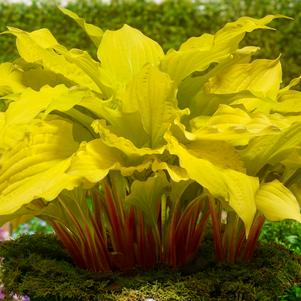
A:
(198, 53)
(38, 47)
(277, 202)
(152, 95)
(261, 77)
(36, 166)
(237, 188)
(234, 125)
(11, 79)
(95, 33)
(93, 161)
(124, 52)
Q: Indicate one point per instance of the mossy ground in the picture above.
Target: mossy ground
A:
(37, 266)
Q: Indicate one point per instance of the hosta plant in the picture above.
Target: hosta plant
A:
(132, 154)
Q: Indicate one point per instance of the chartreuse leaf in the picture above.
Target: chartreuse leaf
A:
(152, 94)
(234, 125)
(192, 93)
(295, 188)
(93, 161)
(235, 187)
(177, 173)
(37, 47)
(94, 32)
(124, 52)
(35, 167)
(276, 202)
(51, 211)
(198, 53)
(40, 103)
(146, 196)
(125, 145)
(180, 64)
(25, 213)
(35, 77)
(60, 99)
(261, 77)
(219, 153)
(288, 102)
(10, 135)
(124, 125)
(87, 64)
(237, 83)
(271, 148)
(11, 79)
(294, 82)
(35, 102)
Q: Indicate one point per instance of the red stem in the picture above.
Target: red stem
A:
(253, 237)
(216, 230)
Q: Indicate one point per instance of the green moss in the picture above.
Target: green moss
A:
(37, 265)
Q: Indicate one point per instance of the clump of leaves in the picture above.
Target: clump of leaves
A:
(48, 273)
(127, 155)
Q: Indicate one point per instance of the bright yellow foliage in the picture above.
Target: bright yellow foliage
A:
(206, 112)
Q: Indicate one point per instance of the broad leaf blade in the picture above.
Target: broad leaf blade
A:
(35, 167)
(11, 79)
(277, 202)
(271, 148)
(151, 93)
(124, 52)
(261, 77)
(93, 161)
(235, 125)
(234, 187)
(38, 47)
(146, 196)
(94, 32)
(197, 54)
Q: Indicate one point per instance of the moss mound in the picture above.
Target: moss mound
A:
(38, 266)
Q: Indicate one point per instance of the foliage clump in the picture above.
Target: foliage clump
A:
(133, 154)
(47, 272)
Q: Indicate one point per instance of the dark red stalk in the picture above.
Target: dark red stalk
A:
(113, 237)
(97, 201)
(130, 235)
(140, 239)
(253, 237)
(85, 245)
(117, 239)
(241, 242)
(186, 232)
(170, 256)
(215, 218)
(232, 252)
(152, 253)
(69, 244)
(200, 231)
(101, 245)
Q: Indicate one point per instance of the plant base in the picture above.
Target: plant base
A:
(38, 266)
